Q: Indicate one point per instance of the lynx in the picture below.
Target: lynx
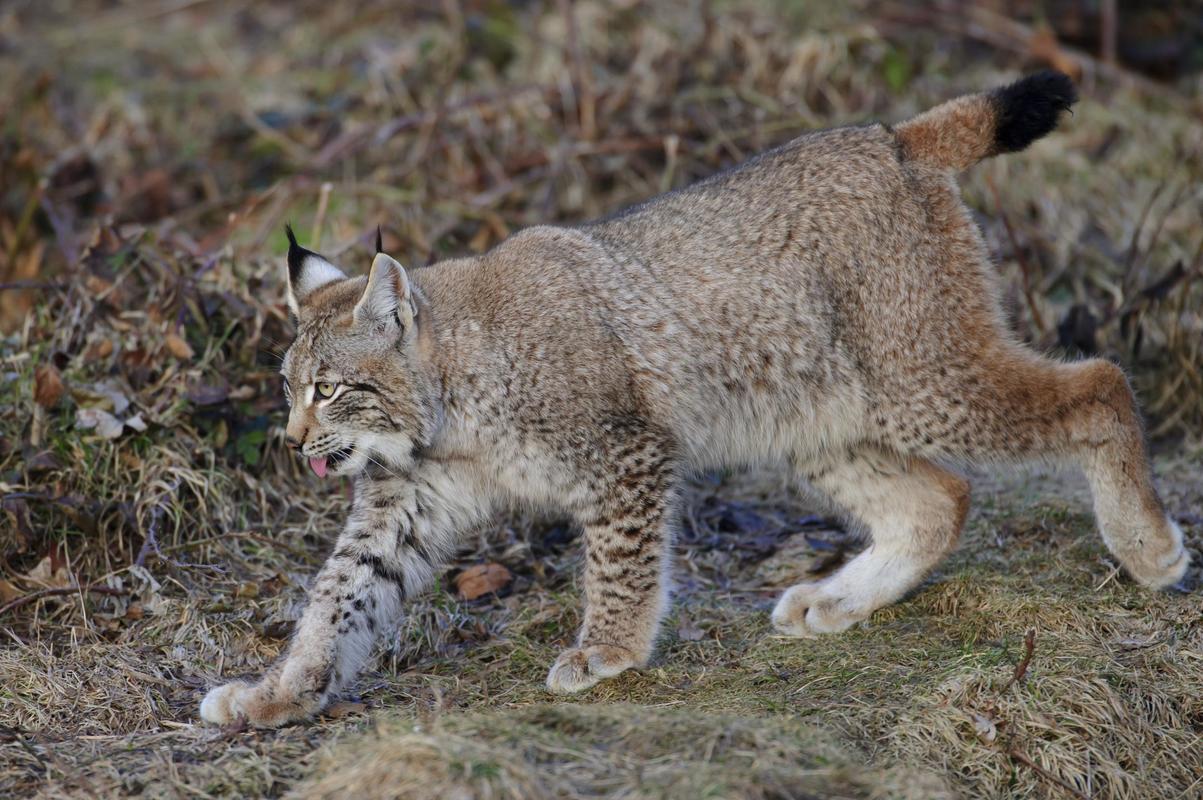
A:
(828, 306)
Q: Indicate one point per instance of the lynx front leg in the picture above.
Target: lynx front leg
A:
(628, 543)
(388, 552)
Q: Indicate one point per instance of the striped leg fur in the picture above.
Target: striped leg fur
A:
(399, 533)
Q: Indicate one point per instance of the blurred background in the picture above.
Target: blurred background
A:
(151, 152)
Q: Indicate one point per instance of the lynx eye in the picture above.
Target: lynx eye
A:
(326, 389)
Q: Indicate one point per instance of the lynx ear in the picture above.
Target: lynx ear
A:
(307, 272)
(387, 300)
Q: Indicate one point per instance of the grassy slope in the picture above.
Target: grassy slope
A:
(917, 700)
(152, 130)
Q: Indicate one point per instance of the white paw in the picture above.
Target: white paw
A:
(221, 706)
(1159, 567)
(263, 705)
(579, 668)
(806, 610)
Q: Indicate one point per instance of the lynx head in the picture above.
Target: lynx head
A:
(353, 375)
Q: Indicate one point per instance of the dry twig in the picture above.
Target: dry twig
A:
(56, 592)
(1021, 669)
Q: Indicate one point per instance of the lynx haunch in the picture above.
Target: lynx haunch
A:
(828, 306)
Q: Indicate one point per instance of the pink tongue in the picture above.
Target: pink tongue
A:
(318, 465)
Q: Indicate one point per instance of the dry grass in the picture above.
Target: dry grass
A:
(546, 751)
(149, 155)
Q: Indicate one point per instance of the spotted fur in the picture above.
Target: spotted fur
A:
(829, 306)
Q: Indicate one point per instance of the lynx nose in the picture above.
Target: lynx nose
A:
(296, 431)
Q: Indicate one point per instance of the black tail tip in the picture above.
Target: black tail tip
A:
(1030, 108)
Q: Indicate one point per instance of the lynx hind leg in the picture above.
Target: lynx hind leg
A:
(1025, 407)
(1109, 437)
(913, 511)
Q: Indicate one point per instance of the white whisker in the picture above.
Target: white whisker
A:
(368, 456)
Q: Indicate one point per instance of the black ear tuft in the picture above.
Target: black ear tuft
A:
(296, 254)
(1029, 108)
(379, 241)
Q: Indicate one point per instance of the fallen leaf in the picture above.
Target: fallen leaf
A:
(344, 708)
(98, 285)
(42, 461)
(243, 392)
(113, 391)
(104, 423)
(247, 590)
(105, 395)
(50, 573)
(481, 579)
(8, 591)
(101, 348)
(15, 305)
(178, 347)
(16, 510)
(133, 357)
(48, 386)
(81, 512)
(985, 728)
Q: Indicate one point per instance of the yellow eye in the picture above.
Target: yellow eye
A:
(326, 389)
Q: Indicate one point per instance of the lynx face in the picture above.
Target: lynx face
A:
(354, 399)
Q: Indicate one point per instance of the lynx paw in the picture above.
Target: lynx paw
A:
(806, 611)
(1162, 560)
(258, 705)
(221, 705)
(578, 668)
